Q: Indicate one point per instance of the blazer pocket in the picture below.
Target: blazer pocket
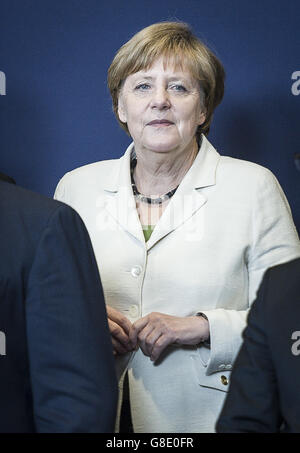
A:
(218, 380)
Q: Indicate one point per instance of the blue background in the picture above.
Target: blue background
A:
(57, 112)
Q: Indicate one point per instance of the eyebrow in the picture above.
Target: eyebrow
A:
(171, 79)
(145, 77)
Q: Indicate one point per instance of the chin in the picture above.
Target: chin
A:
(162, 146)
(161, 140)
(161, 149)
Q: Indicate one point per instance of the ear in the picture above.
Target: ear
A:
(121, 110)
(202, 118)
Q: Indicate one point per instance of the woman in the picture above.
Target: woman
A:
(181, 234)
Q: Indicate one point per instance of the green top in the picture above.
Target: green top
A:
(147, 230)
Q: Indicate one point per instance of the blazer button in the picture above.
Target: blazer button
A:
(224, 380)
(133, 311)
(136, 271)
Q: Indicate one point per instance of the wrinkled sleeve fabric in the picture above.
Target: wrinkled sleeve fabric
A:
(274, 240)
(61, 190)
(70, 352)
(252, 404)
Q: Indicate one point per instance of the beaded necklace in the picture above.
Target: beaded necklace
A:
(142, 197)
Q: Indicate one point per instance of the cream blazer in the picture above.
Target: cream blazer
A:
(226, 224)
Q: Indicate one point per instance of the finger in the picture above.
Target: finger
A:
(159, 346)
(118, 317)
(151, 340)
(118, 348)
(136, 328)
(118, 334)
(143, 339)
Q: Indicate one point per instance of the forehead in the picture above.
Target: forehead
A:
(168, 68)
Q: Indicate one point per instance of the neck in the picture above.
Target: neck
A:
(157, 173)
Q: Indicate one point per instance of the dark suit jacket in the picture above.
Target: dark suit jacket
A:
(6, 178)
(264, 394)
(58, 372)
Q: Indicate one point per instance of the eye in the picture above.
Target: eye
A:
(178, 87)
(142, 87)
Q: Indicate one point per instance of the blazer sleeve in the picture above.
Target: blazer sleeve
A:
(70, 352)
(252, 404)
(274, 240)
(61, 192)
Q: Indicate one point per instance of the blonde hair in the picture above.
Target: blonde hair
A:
(176, 43)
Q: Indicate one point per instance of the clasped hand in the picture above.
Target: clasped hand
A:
(154, 332)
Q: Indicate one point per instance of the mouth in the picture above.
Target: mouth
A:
(160, 123)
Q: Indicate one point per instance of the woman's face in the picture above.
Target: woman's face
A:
(162, 108)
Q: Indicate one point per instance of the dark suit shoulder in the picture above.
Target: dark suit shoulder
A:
(24, 217)
(291, 269)
(19, 198)
(7, 178)
(278, 302)
(283, 283)
(23, 205)
(281, 304)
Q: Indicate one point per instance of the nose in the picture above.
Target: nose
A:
(160, 99)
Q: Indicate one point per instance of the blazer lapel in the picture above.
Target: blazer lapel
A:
(119, 198)
(188, 198)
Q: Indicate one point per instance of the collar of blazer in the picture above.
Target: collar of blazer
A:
(187, 200)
